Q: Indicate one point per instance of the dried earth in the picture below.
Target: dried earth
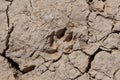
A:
(59, 39)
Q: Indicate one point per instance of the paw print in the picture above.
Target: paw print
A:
(61, 40)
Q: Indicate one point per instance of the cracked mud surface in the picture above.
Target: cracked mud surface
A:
(59, 40)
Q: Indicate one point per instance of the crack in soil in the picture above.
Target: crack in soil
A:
(13, 64)
(7, 40)
(10, 61)
(7, 15)
(91, 58)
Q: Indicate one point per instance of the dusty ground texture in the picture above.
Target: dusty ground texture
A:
(59, 39)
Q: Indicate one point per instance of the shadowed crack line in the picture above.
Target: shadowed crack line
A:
(11, 61)
(56, 60)
(7, 40)
(7, 15)
(79, 74)
(82, 51)
(14, 64)
(115, 74)
(91, 58)
(8, 20)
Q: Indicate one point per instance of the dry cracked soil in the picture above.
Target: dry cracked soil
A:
(59, 39)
